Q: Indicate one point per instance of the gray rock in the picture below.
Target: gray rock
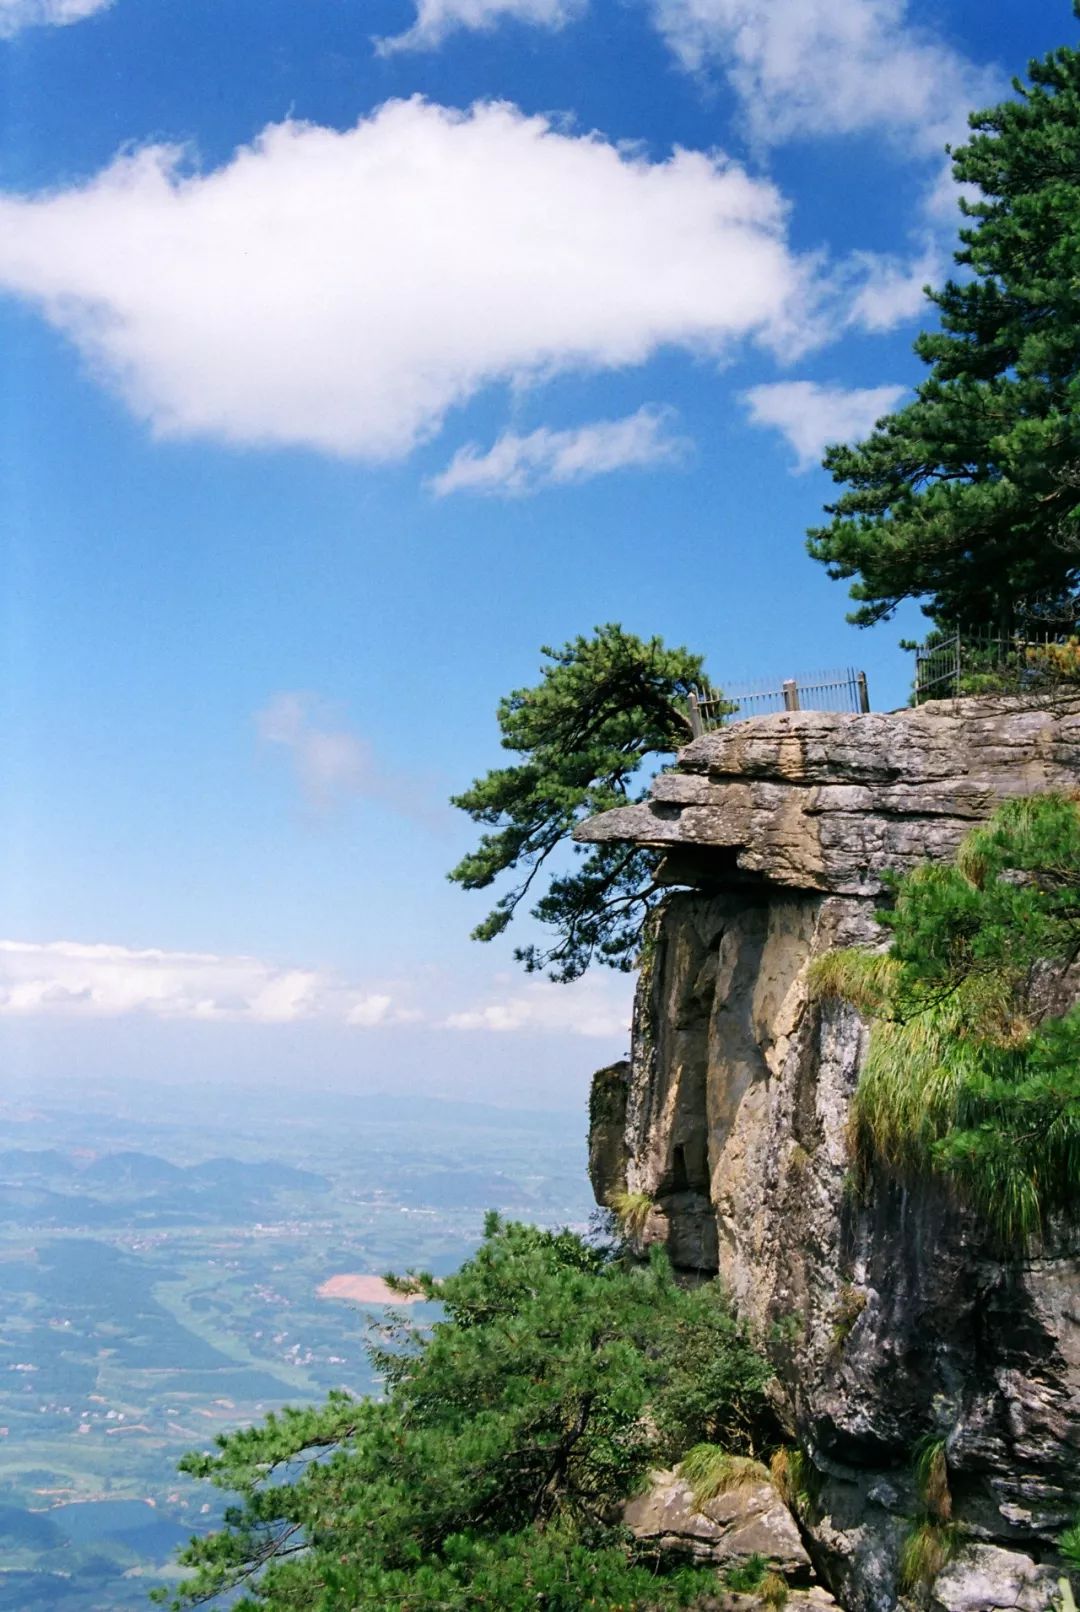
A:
(735, 1526)
(607, 1126)
(886, 1319)
(828, 801)
(988, 1579)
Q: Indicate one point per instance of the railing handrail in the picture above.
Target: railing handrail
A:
(711, 708)
(939, 661)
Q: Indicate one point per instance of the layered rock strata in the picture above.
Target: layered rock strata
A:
(888, 1320)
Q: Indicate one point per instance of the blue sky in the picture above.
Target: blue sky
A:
(351, 352)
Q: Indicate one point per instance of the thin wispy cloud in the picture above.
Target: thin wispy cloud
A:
(333, 763)
(435, 19)
(798, 67)
(889, 290)
(68, 979)
(812, 416)
(15, 15)
(516, 465)
(597, 1005)
(73, 980)
(344, 290)
(830, 67)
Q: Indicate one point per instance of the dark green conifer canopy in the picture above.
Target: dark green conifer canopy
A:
(493, 1473)
(969, 498)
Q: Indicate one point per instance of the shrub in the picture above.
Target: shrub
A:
(494, 1472)
(964, 1077)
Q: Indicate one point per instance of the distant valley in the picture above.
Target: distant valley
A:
(161, 1269)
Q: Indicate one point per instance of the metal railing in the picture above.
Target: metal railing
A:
(844, 690)
(989, 663)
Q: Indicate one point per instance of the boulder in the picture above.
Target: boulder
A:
(985, 1578)
(744, 1522)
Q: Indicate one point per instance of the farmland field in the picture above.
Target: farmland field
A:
(170, 1274)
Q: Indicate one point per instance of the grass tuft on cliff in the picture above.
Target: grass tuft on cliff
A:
(632, 1211)
(1069, 1543)
(755, 1577)
(794, 1477)
(711, 1470)
(932, 1478)
(969, 1074)
(926, 1552)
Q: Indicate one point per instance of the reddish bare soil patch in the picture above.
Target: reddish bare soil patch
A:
(361, 1289)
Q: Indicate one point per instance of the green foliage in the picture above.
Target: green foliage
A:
(492, 1473)
(711, 1470)
(748, 1575)
(927, 1551)
(1068, 1601)
(969, 497)
(964, 1075)
(1069, 1543)
(754, 1577)
(603, 705)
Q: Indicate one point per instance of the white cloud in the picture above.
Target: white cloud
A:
(105, 981)
(812, 416)
(333, 763)
(437, 18)
(69, 979)
(825, 67)
(15, 15)
(887, 291)
(545, 458)
(598, 1005)
(344, 290)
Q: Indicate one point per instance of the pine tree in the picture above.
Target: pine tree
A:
(492, 1474)
(603, 705)
(969, 497)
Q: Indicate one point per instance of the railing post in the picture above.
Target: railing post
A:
(864, 692)
(696, 726)
(791, 694)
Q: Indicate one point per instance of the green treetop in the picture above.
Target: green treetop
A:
(492, 1474)
(969, 498)
(602, 706)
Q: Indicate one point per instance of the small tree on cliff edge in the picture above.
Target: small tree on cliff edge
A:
(603, 704)
(969, 498)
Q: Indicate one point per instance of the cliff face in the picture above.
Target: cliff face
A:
(890, 1319)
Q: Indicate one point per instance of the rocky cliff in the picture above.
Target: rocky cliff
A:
(890, 1318)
